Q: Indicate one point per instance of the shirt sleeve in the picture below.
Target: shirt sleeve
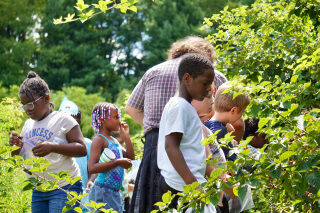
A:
(176, 120)
(68, 122)
(136, 99)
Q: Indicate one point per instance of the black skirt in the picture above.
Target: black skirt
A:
(146, 192)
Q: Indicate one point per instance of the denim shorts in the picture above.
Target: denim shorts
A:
(53, 201)
(102, 193)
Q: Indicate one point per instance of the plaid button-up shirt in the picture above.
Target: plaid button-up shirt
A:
(155, 89)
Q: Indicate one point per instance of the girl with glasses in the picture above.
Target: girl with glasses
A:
(50, 134)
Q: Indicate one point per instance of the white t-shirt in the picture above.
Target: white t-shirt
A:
(180, 116)
(53, 128)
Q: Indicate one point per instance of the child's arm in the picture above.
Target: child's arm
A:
(129, 151)
(15, 139)
(74, 148)
(95, 167)
(172, 143)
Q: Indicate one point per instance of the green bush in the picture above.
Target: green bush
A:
(12, 198)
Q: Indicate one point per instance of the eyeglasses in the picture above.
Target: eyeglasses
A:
(29, 106)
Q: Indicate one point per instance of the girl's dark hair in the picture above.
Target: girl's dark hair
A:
(33, 84)
(103, 105)
(98, 111)
(251, 127)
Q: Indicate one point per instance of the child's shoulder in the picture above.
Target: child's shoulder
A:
(214, 124)
(178, 103)
(97, 140)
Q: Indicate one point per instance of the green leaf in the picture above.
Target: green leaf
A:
(242, 192)
(75, 179)
(304, 167)
(263, 122)
(166, 197)
(255, 109)
(133, 8)
(159, 204)
(29, 161)
(306, 85)
(288, 97)
(294, 79)
(286, 155)
(194, 185)
(287, 186)
(236, 190)
(295, 145)
(295, 202)
(69, 17)
(77, 209)
(26, 186)
(275, 171)
(74, 194)
(314, 179)
(318, 193)
(215, 174)
(66, 208)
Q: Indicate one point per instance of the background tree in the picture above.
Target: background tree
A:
(18, 19)
(166, 22)
(95, 55)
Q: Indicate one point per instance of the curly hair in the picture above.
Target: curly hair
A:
(251, 127)
(192, 44)
(32, 85)
(195, 64)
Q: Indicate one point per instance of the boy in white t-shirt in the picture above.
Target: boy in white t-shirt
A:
(181, 155)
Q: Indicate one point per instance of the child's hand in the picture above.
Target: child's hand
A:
(15, 139)
(230, 128)
(88, 185)
(124, 127)
(124, 163)
(43, 149)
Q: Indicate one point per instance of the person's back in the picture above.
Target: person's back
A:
(227, 110)
(159, 84)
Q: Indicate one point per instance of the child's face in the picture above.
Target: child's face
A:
(36, 107)
(259, 140)
(113, 124)
(205, 107)
(200, 86)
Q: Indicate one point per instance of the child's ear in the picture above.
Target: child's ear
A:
(186, 78)
(234, 110)
(47, 98)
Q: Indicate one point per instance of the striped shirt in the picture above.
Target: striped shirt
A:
(155, 89)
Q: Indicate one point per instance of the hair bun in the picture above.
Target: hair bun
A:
(32, 74)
